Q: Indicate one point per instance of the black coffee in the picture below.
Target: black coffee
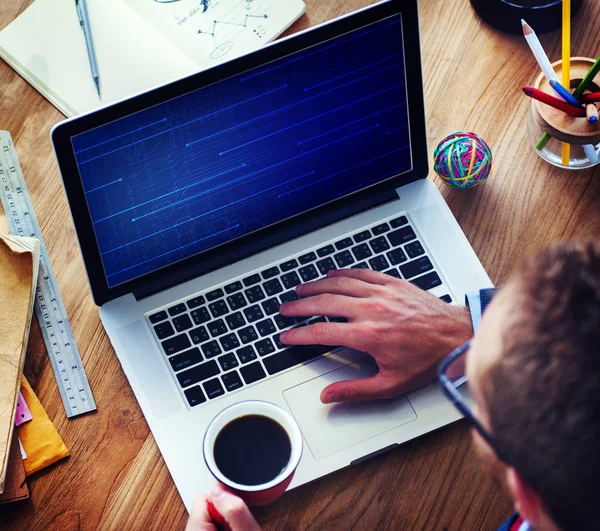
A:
(252, 450)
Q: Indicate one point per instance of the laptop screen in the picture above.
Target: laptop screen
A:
(187, 175)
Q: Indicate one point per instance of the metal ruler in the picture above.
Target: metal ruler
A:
(51, 314)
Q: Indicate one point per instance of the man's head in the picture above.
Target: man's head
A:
(534, 371)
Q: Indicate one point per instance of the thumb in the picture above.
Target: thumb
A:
(374, 387)
(233, 510)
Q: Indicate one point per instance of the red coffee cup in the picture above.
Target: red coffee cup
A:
(266, 492)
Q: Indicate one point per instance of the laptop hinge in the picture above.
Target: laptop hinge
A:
(267, 238)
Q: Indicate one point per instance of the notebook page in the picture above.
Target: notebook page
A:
(46, 45)
(213, 31)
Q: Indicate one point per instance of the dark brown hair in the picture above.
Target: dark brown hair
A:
(545, 390)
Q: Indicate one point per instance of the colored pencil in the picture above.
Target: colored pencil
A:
(591, 153)
(566, 68)
(538, 51)
(589, 77)
(564, 93)
(592, 97)
(546, 98)
(591, 113)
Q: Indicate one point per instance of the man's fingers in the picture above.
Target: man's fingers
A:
(233, 509)
(199, 518)
(324, 304)
(375, 387)
(351, 287)
(333, 334)
(366, 275)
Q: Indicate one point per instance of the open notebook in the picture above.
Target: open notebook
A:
(139, 43)
(19, 261)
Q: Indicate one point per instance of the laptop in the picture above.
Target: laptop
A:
(200, 206)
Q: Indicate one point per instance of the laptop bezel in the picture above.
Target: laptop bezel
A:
(272, 235)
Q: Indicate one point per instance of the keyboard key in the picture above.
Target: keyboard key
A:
(380, 229)
(232, 381)
(270, 273)
(198, 373)
(337, 319)
(308, 273)
(215, 294)
(233, 287)
(235, 320)
(344, 259)
(294, 356)
(428, 281)
(379, 263)
(248, 334)
(272, 287)
(344, 244)
(290, 280)
(393, 273)
(446, 298)
(326, 265)
(398, 222)
(195, 302)
(362, 251)
(194, 396)
(255, 294)
(289, 265)
(228, 361)
(254, 313)
(177, 309)
(416, 267)
(182, 323)
(379, 244)
(253, 372)
(251, 280)
(163, 330)
(400, 236)
(236, 301)
(266, 327)
(157, 317)
(361, 265)
(362, 236)
(229, 342)
(324, 251)
(176, 344)
(185, 359)
(218, 308)
(284, 322)
(317, 320)
(414, 249)
(211, 349)
(246, 354)
(397, 256)
(288, 297)
(200, 316)
(278, 342)
(306, 258)
(213, 388)
(199, 335)
(270, 306)
(265, 346)
(217, 328)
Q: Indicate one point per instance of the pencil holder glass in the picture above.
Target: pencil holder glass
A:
(549, 129)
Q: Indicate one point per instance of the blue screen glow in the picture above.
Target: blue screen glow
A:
(207, 167)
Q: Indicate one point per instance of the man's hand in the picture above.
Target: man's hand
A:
(408, 331)
(232, 509)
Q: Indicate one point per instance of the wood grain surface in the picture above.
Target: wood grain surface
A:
(115, 477)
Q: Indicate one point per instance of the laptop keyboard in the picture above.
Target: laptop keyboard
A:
(227, 338)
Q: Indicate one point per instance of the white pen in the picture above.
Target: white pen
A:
(84, 20)
(538, 51)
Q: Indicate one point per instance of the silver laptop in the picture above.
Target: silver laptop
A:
(202, 204)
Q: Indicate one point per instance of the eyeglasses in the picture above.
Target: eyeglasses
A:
(453, 379)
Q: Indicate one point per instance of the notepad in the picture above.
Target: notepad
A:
(140, 44)
(19, 261)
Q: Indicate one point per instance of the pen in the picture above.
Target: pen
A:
(564, 93)
(539, 95)
(84, 21)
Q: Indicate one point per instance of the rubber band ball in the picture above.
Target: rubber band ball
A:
(463, 160)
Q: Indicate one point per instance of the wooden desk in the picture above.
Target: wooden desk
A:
(116, 477)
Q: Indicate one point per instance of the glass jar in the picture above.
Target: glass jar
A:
(548, 128)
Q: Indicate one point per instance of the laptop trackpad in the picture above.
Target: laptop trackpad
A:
(329, 428)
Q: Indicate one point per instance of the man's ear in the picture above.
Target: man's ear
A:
(527, 502)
